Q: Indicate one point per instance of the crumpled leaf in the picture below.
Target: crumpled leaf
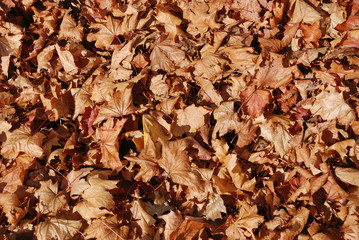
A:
(173, 221)
(11, 206)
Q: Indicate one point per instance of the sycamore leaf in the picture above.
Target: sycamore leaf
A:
(58, 228)
(247, 220)
(22, 140)
(189, 119)
(50, 202)
(175, 162)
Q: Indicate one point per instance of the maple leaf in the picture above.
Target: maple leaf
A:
(67, 60)
(273, 74)
(330, 105)
(120, 105)
(189, 119)
(255, 101)
(58, 228)
(108, 135)
(50, 202)
(70, 30)
(227, 119)
(175, 162)
(107, 36)
(246, 221)
(352, 20)
(11, 206)
(76, 182)
(106, 229)
(173, 221)
(215, 207)
(166, 55)
(22, 140)
(210, 66)
(97, 200)
(143, 218)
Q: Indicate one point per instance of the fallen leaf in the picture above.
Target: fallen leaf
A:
(58, 228)
(22, 140)
(176, 163)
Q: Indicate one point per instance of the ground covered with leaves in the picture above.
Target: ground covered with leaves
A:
(223, 119)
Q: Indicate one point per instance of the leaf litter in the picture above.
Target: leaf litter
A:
(179, 119)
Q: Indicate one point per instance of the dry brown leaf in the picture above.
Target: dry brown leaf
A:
(58, 228)
(348, 175)
(70, 30)
(189, 119)
(175, 162)
(255, 101)
(107, 36)
(96, 199)
(50, 200)
(120, 105)
(108, 136)
(330, 105)
(106, 229)
(23, 140)
(173, 221)
(166, 55)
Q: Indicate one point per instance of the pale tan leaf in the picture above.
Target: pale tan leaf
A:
(57, 228)
(50, 202)
(22, 140)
